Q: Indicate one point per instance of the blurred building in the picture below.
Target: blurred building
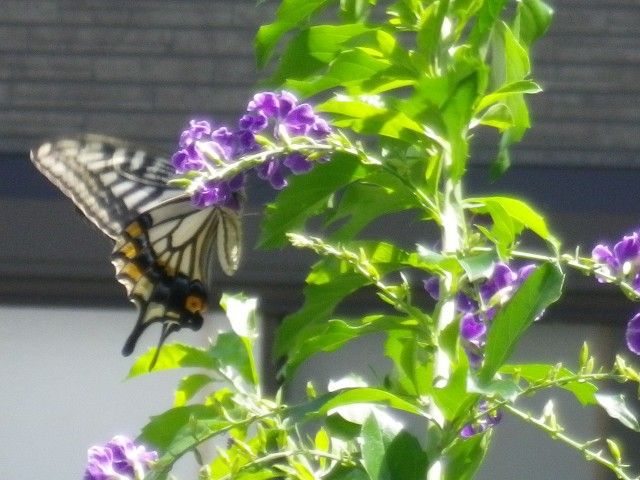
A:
(140, 70)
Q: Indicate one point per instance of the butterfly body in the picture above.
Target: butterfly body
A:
(165, 248)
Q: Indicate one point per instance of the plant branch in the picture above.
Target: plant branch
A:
(555, 432)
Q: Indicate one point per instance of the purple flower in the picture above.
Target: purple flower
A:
(297, 163)
(622, 261)
(283, 109)
(120, 459)
(265, 103)
(196, 131)
(488, 418)
(463, 302)
(501, 281)
(473, 329)
(432, 287)
(273, 171)
(189, 158)
(217, 193)
(633, 334)
(475, 322)
(203, 149)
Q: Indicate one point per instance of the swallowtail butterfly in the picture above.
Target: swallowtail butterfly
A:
(165, 247)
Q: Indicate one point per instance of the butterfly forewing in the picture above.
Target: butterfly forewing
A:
(164, 246)
(111, 181)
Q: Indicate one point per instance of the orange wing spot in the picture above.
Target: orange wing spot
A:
(194, 304)
(132, 270)
(129, 250)
(134, 230)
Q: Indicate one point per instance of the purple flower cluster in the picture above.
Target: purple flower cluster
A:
(488, 418)
(477, 315)
(120, 459)
(623, 263)
(203, 149)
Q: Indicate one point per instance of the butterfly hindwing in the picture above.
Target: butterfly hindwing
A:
(165, 247)
(164, 258)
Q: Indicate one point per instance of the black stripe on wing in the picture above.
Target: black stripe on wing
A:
(110, 180)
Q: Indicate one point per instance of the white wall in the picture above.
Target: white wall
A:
(62, 388)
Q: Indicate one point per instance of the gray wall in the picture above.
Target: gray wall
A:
(141, 69)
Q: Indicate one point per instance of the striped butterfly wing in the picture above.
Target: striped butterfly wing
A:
(165, 259)
(165, 247)
(109, 180)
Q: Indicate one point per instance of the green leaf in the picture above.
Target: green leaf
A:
(322, 443)
(330, 281)
(175, 355)
(320, 406)
(356, 10)
(389, 455)
(478, 266)
(241, 312)
(515, 88)
(313, 48)
(368, 117)
(183, 441)
(350, 69)
(616, 407)
(163, 429)
(510, 63)
(539, 290)
(368, 395)
(189, 386)
(486, 20)
(362, 202)
(326, 286)
(412, 374)
(466, 455)
(505, 389)
(347, 473)
(538, 372)
(454, 397)
(405, 457)
(234, 351)
(534, 17)
(305, 196)
(518, 211)
(341, 428)
(373, 450)
(497, 116)
(429, 34)
(330, 336)
(290, 14)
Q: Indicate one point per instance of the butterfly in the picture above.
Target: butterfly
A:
(164, 247)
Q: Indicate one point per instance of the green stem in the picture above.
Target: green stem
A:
(275, 456)
(556, 434)
(452, 242)
(581, 264)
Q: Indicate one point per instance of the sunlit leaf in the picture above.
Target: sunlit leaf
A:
(538, 291)
(189, 386)
(538, 372)
(306, 196)
(616, 407)
(175, 355)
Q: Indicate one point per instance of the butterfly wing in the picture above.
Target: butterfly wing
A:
(165, 248)
(111, 181)
(165, 257)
